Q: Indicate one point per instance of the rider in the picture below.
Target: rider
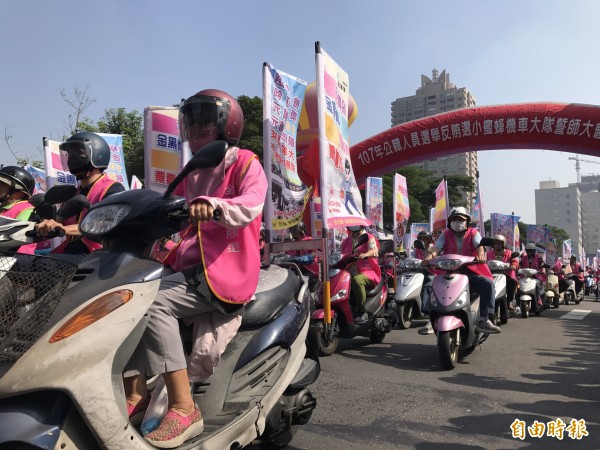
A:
(87, 155)
(366, 272)
(501, 253)
(307, 258)
(577, 270)
(217, 266)
(460, 239)
(531, 260)
(16, 188)
(427, 240)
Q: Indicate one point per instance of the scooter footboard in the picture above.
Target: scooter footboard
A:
(448, 323)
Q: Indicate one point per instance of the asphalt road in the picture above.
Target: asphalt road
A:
(395, 395)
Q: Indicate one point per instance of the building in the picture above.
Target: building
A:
(560, 207)
(589, 189)
(437, 95)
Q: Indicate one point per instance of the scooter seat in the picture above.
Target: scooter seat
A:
(277, 286)
(375, 290)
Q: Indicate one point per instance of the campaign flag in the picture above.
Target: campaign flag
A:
(506, 225)
(116, 168)
(567, 250)
(39, 176)
(401, 209)
(440, 215)
(477, 211)
(415, 229)
(55, 172)
(551, 248)
(342, 203)
(163, 152)
(597, 259)
(287, 195)
(374, 202)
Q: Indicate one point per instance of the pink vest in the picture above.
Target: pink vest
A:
(468, 249)
(230, 258)
(491, 255)
(12, 213)
(368, 266)
(95, 195)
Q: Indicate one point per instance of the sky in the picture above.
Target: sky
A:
(136, 53)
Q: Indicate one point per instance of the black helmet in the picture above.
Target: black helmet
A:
(425, 235)
(18, 179)
(299, 228)
(355, 228)
(85, 148)
(210, 108)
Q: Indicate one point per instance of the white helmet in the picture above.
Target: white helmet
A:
(500, 238)
(460, 211)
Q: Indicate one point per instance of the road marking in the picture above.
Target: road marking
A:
(576, 314)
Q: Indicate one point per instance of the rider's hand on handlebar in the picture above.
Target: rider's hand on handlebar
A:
(200, 211)
(45, 227)
(480, 259)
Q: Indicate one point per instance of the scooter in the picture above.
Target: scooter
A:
(570, 294)
(498, 269)
(409, 291)
(380, 319)
(526, 292)
(67, 332)
(454, 311)
(552, 290)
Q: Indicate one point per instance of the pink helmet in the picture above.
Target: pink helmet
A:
(207, 112)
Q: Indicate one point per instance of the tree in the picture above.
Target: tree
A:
(252, 134)
(131, 126)
(80, 101)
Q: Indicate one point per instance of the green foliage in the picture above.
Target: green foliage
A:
(131, 126)
(252, 135)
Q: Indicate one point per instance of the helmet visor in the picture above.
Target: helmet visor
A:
(75, 155)
(202, 120)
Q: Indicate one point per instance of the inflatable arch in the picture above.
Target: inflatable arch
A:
(571, 128)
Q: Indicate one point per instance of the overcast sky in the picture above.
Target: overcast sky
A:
(133, 54)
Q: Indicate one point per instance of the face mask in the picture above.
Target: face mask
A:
(458, 226)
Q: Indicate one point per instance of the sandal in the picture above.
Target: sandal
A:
(175, 429)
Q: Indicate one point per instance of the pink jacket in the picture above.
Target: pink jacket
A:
(228, 249)
(368, 266)
(12, 212)
(535, 264)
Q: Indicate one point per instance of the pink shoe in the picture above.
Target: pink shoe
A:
(174, 429)
(136, 412)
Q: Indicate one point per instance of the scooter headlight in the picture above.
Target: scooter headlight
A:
(340, 294)
(104, 218)
(412, 263)
(448, 264)
(334, 258)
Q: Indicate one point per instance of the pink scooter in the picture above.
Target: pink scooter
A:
(342, 326)
(454, 311)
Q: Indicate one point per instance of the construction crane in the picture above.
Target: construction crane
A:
(577, 166)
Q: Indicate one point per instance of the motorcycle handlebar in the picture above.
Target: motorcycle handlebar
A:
(57, 232)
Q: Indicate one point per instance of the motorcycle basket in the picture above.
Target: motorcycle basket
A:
(30, 290)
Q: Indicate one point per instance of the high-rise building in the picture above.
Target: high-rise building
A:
(437, 95)
(560, 207)
(590, 212)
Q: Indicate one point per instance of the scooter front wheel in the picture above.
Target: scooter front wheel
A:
(524, 310)
(448, 349)
(405, 314)
(316, 334)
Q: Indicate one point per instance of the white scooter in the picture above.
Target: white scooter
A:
(498, 269)
(67, 332)
(526, 292)
(409, 291)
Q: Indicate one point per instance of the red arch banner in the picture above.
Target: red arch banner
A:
(553, 126)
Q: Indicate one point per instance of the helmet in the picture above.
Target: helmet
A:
(298, 229)
(207, 112)
(530, 246)
(85, 148)
(500, 238)
(355, 228)
(459, 211)
(424, 235)
(18, 179)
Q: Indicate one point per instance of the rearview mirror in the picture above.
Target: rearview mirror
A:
(418, 244)
(487, 241)
(73, 207)
(362, 239)
(59, 193)
(515, 255)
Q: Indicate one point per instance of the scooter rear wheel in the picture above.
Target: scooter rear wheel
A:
(316, 334)
(447, 349)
